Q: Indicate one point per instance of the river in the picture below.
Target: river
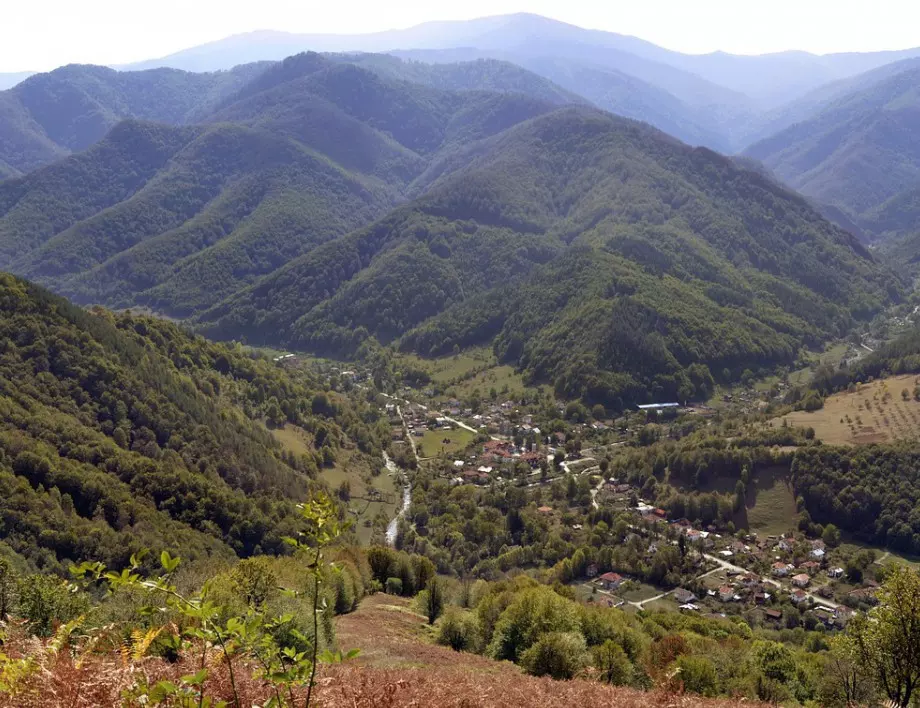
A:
(407, 501)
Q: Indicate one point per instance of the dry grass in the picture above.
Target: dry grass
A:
(350, 686)
(875, 413)
(398, 666)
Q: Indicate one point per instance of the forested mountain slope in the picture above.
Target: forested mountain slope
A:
(579, 244)
(50, 115)
(178, 218)
(856, 154)
(119, 433)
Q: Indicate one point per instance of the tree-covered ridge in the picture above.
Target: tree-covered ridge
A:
(119, 433)
(476, 75)
(179, 218)
(579, 245)
(47, 116)
(860, 153)
(231, 203)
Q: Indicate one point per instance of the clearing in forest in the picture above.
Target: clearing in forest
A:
(880, 411)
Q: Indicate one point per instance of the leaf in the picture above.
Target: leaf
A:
(168, 562)
(195, 679)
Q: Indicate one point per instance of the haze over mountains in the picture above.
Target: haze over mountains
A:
(720, 100)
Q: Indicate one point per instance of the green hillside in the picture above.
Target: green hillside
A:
(857, 154)
(579, 245)
(51, 115)
(179, 218)
(119, 433)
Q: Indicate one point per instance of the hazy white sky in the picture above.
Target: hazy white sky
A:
(43, 34)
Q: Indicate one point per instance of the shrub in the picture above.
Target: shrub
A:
(458, 630)
(254, 580)
(612, 663)
(45, 600)
(560, 655)
(698, 674)
(394, 586)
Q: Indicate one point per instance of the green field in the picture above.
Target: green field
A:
(432, 442)
(469, 371)
(640, 592)
(771, 506)
(356, 471)
(450, 368)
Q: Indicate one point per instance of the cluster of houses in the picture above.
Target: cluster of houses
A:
(494, 455)
(495, 419)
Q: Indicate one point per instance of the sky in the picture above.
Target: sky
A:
(39, 35)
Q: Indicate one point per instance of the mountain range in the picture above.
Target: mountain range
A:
(318, 201)
(722, 101)
(434, 204)
(860, 153)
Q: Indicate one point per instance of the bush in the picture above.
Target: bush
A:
(394, 586)
(612, 663)
(698, 674)
(346, 595)
(254, 580)
(45, 600)
(560, 655)
(434, 600)
(458, 630)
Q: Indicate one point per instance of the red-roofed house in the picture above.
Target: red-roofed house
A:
(781, 569)
(611, 581)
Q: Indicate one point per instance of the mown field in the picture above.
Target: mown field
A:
(474, 370)
(444, 442)
(770, 504)
(881, 411)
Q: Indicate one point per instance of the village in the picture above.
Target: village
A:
(783, 581)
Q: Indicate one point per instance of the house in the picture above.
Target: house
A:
(843, 614)
(684, 596)
(798, 597)
(786, 544)
(773, 615)
(863, 595)
(749, 580)
(835, 573)
(761, 598)
(780, 569)
(611, 581)
(801, 580)
(810, 567)
(726, 593)
(817, 553)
